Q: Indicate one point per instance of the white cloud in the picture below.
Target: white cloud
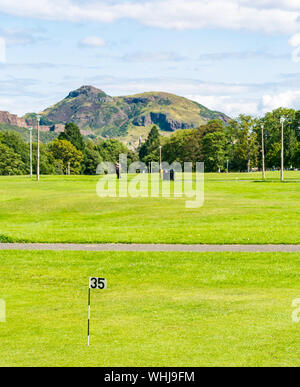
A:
(287, 99)
(233, 105)
(270, 16)
(230, 105)
(92, 41)
(267, 16)
(295, 40)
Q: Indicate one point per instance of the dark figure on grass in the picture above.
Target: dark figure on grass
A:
(118, 170)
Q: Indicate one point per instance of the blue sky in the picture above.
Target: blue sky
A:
(235, 56)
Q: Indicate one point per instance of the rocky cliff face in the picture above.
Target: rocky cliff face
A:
(12, 119)
(164, 121)
(167, 123)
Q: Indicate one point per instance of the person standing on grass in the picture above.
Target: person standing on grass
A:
(118, 170)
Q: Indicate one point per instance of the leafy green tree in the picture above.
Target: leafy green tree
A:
(73, 135)
(186, 145)
(242, 143)
(64, 153)
(211, 127)
(231, 132)
(15, 142)
(296, 125)
(183, 146)
(47, 161)
(151, 158)
(132, 156)
(173, 147)
(10, 162)
(273, 156)
(296, 160)
(192, 148)
(214, 151)
(110, 150)
(91, 159)
(273, 133)
(151, 146)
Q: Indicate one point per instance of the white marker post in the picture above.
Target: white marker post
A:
(94, 283)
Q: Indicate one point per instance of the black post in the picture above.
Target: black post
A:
(89, 315)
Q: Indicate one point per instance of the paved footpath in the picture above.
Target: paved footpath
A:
(149, 247)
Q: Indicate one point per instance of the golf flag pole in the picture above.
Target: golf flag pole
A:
(94, 283)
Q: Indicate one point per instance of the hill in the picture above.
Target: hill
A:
(92, 109)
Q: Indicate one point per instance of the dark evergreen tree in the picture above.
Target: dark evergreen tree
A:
(73, 135)
(151, 146)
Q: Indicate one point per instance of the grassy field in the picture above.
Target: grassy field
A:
(160, 309)
(239, 208)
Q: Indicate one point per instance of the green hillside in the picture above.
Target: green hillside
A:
(90, 108)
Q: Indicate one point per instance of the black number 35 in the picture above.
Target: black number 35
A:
(98, 283)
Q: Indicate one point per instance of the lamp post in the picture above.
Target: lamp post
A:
(30, 131)
(263, 151)
(160, 162)
(38, 149)
(282, 120)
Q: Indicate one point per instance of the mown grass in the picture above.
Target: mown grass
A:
(160, 309)
(238, 208)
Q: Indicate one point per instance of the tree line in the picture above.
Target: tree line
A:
(236, 145)
(69, 153)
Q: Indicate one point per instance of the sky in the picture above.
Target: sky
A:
(234, 56)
